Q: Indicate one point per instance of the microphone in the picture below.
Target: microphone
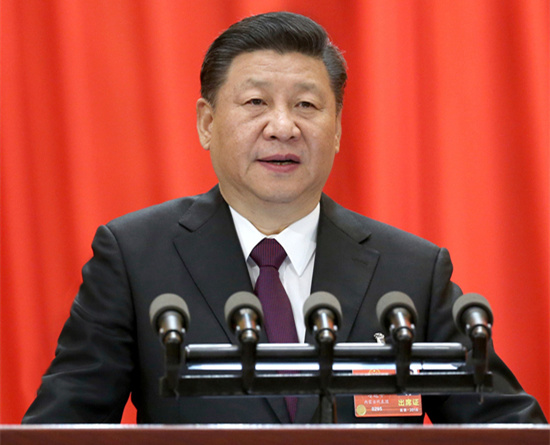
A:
(244, 316)
(397, 316)
(170, 318)
(473, 316)
(323, 316)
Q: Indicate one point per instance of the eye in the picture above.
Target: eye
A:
(305, 104)
(255, 101)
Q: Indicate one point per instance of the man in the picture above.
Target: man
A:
(270, 115)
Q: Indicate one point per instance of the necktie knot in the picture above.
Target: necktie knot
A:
(268, 253)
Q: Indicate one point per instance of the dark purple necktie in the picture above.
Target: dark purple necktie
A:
(278, 319)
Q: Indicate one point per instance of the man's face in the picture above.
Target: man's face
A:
(274, 131)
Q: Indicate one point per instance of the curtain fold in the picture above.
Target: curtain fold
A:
(445, 134)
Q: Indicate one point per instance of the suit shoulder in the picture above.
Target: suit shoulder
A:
(378, 233)
(157, 215)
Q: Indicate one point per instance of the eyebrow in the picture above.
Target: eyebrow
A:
(302, 86)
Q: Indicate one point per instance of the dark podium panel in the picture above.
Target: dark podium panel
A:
(274, 435)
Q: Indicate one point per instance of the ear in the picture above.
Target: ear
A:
(205, 119)
(338, 135)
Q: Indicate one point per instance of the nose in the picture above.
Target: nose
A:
(281, 125)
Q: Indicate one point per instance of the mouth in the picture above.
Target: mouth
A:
(281, 159)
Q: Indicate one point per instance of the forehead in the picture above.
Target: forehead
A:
(265, 68)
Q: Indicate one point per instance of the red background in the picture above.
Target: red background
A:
(446, 135)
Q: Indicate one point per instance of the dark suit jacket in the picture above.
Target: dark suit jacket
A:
(189, 247)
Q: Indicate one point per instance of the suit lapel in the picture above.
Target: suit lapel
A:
(344, 266)
(211, 252)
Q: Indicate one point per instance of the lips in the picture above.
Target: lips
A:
(287, 159)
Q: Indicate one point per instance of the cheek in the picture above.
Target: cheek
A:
(326, 157)
(227, 154)
(325, 146)
(234, 131)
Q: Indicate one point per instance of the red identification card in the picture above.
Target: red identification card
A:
(386, 405)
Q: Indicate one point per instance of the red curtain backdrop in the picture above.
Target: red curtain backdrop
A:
(446, 135)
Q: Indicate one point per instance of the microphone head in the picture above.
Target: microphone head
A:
(168, 302)
(392, 300)
(240, 300)
(464, 303)
(322, 300)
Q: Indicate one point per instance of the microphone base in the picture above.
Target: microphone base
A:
(301, 384)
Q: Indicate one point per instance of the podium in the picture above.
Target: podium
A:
(378, 434)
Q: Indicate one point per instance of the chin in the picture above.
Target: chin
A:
(278, 199)
(282, 197)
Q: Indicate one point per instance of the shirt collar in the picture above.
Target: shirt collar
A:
(299, 239)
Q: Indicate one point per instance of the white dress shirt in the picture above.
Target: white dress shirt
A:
(299, 241)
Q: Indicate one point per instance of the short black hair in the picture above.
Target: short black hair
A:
(282, 32)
